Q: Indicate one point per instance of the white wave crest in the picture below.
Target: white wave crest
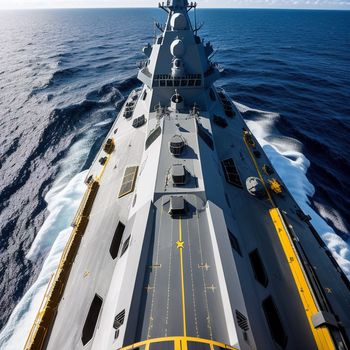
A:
(287, 158)
(62, 207)
(63, 199)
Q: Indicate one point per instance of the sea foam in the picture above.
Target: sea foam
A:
(291, 164)
(63, 199)
(62, 207)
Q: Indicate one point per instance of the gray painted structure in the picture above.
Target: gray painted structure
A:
(221, 225)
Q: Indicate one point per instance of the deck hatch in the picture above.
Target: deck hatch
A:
(138, 122)
(258, 268)
(129, 180)
(91, 319)
(125, 246)
(231, 173)
(274, 322)
(178, 174)
(117, 238)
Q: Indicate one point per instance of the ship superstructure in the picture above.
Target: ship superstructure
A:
(186, 237)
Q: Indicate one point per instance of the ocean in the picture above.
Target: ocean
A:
(64, 75)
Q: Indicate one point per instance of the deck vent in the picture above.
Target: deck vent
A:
(231, 173)
(274, 322)
(153, 135)
(177, 205)
(129, 179)
(234, 242)
(91, 319)
(178, 174)
(242, 321)
(117, 238)
(220, 121)
(125, 246)
(138, 122)
(119, 320)
(176, 145)
(258, 268)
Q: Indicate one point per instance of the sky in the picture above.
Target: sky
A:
(314, 4)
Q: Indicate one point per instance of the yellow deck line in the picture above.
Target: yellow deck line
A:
(258, 171)
(321, 334)
(180, 343)
(99, 177)
(180, 244)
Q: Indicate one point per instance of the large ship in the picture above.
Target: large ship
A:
(186, 237)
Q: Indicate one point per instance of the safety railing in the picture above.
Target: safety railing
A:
(179, 343)
(48, 308)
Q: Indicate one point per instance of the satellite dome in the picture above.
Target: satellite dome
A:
(177, 48)
(178, 21)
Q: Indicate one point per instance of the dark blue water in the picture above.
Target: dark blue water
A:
(62, 72)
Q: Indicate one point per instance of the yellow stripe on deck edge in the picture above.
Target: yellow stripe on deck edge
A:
(321, 334)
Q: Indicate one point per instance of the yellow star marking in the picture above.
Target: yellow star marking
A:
(180, 244)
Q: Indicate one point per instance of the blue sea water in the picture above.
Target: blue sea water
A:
(64, 75)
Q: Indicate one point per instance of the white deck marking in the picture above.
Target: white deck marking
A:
(151, 319)
(192, 282)
(203, 275)
(169, 280)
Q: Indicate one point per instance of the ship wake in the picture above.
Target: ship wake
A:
(63, 199)
(286, 156)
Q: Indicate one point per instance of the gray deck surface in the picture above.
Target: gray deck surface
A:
(162, 314)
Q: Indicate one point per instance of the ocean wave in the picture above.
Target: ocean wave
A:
(292, 166)
(62, 205)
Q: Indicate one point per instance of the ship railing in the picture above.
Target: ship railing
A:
(179, 343)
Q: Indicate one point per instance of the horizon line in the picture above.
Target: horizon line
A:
(153, 7)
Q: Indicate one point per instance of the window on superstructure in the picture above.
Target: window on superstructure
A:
(129, 179)
(117, 238)
(274, 322)
(258, 268)
(91, 319)
(125, 246)
(231, 173)
(153, 135)
(234, 242)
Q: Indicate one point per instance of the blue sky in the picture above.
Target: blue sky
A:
(315, 4)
